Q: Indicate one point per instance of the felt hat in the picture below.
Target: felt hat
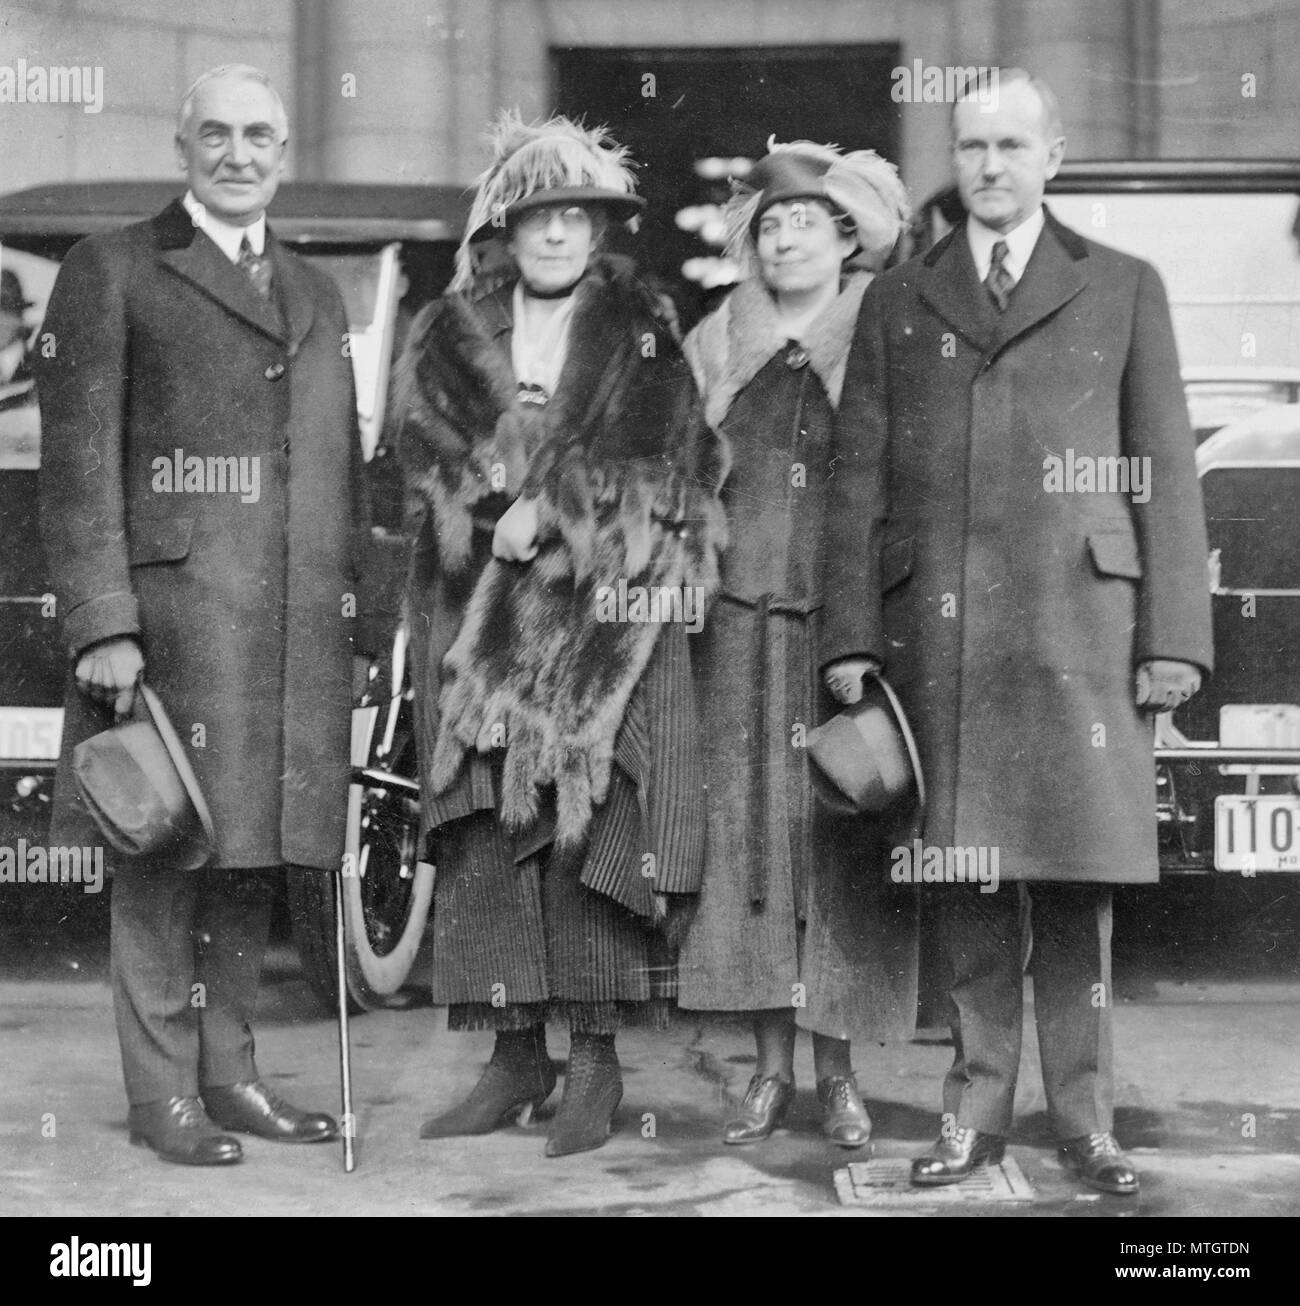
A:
(137, 783)
(860, 184)
(556, 162)
(864, 759)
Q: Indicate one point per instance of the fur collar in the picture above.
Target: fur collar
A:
(732, 345)
(463, 436)
(625, 474)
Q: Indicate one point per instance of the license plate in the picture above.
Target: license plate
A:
(1256, 834)
(30, 732)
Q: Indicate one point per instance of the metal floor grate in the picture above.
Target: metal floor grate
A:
(887, 1182)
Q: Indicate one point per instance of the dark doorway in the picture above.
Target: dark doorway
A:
(674, 106)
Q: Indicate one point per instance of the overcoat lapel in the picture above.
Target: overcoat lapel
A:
(295, 292)
(1056, 272)
(949, 283)
(185, 251)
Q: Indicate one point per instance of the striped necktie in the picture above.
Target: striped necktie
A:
(999, 282)
(257, 267)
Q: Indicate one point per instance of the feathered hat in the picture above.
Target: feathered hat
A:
(553, 162)
(859, 184)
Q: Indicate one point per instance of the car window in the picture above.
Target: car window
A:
(20, 425)
(1230, 265)
(1250, 514)
(370, 283)
(369, 280)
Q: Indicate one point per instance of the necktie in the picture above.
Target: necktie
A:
(258, 268)
(999, 282)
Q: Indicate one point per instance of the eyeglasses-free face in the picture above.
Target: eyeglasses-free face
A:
(1003, 159)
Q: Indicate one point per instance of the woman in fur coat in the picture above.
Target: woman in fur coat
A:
(566, 490)
(797, 920)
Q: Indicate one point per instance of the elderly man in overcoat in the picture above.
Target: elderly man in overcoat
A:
(1043, 570)
(201, 508)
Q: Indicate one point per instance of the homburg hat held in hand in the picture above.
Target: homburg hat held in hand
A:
(138, 785)
(864, 759)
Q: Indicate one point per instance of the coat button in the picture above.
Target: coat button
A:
(275, 371)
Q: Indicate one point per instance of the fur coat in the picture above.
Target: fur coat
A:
(626, 475)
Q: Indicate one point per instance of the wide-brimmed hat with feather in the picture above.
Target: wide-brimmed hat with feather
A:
(557, 161)
(860, 184)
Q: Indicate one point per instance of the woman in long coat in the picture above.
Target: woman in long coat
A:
(548, 432)
(797, 923)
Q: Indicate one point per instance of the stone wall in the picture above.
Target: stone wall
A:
(392, 90)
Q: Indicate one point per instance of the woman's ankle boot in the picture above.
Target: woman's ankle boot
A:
(517, 1080)
(593, 1088)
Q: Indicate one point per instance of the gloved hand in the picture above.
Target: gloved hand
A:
(515, 536)
(674, 913)
(1163, 684)
(107, 672)
(844, 678)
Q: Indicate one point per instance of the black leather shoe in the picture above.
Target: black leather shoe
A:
(253, 1109)
(767, 1102)
(179, 1130)
(845, 1120)
(950, 1160)
(1098, 1161)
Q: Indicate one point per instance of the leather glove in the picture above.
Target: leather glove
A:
(107, 672)
(1163, 684)
(515, 536)
(844, 678)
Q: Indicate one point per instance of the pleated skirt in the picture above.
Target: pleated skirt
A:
(519, 939)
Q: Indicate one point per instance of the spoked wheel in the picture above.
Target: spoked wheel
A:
(387, 890)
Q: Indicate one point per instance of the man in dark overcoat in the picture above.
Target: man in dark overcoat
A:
(1043, 570)
(201, 509)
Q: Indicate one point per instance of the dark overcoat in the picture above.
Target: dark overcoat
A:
(245, 603)
(797, 908)
(1014, 612)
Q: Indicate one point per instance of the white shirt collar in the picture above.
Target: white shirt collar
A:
(227, 236)
(1020, 244)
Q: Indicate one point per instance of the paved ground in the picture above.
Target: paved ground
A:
(1207, 1086)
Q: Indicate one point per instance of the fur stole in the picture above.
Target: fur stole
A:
(626, 475)
(729, 348)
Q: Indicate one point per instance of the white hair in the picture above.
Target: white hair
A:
(244, 72)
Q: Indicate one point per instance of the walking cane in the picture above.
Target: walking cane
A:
(345, 1056)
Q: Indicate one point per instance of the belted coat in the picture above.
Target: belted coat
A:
(245, 600)
(1011, 598)
(797, 910)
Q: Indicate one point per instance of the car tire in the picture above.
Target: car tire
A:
(387, 890)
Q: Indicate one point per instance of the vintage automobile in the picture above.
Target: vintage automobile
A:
(1225, 237)
(390, 248)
